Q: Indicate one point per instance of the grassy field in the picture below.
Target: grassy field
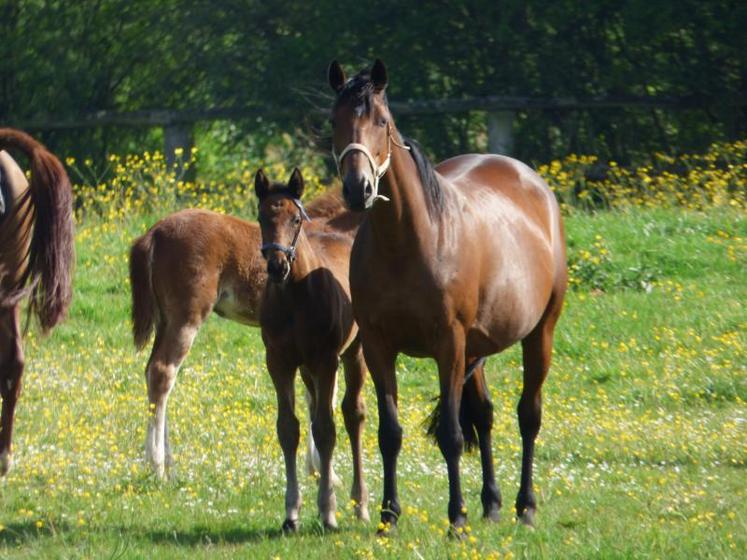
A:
(641, 455)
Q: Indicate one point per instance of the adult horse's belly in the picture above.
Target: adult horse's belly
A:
(515, 222)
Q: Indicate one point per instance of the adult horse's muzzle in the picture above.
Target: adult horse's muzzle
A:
(358, 191)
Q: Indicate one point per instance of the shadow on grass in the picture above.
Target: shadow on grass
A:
(17, 534)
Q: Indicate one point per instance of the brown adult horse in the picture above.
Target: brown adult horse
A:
(187, 265)
(307, 322)
(36, 259)
(455, 262)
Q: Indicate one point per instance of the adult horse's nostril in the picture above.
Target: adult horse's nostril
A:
(368, 189)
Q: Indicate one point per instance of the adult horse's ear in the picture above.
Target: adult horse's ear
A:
(261, 184)
(336, 76)
(378, 76)
(295, 184)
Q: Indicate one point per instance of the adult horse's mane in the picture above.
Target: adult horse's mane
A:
(358, 91)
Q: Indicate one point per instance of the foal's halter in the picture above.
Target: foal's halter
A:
(290, 250)
(377, 170)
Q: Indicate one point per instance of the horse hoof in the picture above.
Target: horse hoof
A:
(386, 530)
(457, 533)
(6, 462)
(361, 513)
(492, 514)
(527, 518)
(290, 526)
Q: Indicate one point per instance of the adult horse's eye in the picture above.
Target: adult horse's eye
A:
(382, 121)
(297, 221)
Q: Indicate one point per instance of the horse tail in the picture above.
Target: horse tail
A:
(472, 402)
(141, 284)
(52, 252)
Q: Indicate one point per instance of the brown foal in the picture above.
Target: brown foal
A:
(307, 322)
(187, 265)
(36, 259)
(455, 263)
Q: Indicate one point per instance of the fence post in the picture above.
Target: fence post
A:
(500, 132)
(177, 135)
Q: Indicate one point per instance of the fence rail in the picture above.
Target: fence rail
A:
(177, 124)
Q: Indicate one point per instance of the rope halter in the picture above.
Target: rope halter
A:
(288, 250)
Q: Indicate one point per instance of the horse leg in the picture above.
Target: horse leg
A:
(325, 436)
(11, 372)
(283, 375)
(536, 352)
(354, 411)
(172, 343)
(476, 394)
(449, 435)
(381, 364)
(313, 461)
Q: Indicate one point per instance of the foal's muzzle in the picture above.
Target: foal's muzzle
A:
(278, 268)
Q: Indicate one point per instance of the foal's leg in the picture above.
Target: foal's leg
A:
(476, 393)
(537, 351)
(172, 343)
(323, 428)
(283, 374)
(381, 364)
(449, 432)
(11, 371)
(313, 461)
(354, 411)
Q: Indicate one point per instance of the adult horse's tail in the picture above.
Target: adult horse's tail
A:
(475, 409)
(51, 253)
(143, 302)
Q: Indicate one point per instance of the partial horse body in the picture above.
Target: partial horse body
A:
(307, 322)
(36, 259)
(455, 263)
(187, 265)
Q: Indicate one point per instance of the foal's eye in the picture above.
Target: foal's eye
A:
(382, 122)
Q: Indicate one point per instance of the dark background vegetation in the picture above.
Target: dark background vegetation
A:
(61, 59)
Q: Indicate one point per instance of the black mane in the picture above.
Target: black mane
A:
(434, 194)
(358, 91)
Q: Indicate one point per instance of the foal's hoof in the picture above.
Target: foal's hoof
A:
(290, 526)
(457, 533)
(6, 462)
(527, 518)
(361, 513)
(492, 514)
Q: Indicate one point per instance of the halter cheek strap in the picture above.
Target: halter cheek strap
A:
(290, 250)
(378, 170)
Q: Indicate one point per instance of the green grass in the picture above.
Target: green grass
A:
(641, 455)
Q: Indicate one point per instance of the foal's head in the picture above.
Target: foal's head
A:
(281, 217)
(361, 132)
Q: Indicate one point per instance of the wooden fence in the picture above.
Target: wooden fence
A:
(500, 113)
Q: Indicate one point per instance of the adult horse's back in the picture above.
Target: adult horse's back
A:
(455, 262)
(36, 258)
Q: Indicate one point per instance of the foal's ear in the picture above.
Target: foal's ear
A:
(261, 184)
(336, 76)
(378, 76)
(295, 184)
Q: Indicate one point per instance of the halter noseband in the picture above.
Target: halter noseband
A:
(378, 170)
(290, 250)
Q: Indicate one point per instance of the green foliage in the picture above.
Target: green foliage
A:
(61, 59)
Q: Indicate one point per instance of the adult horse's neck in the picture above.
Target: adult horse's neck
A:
(404, 219)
